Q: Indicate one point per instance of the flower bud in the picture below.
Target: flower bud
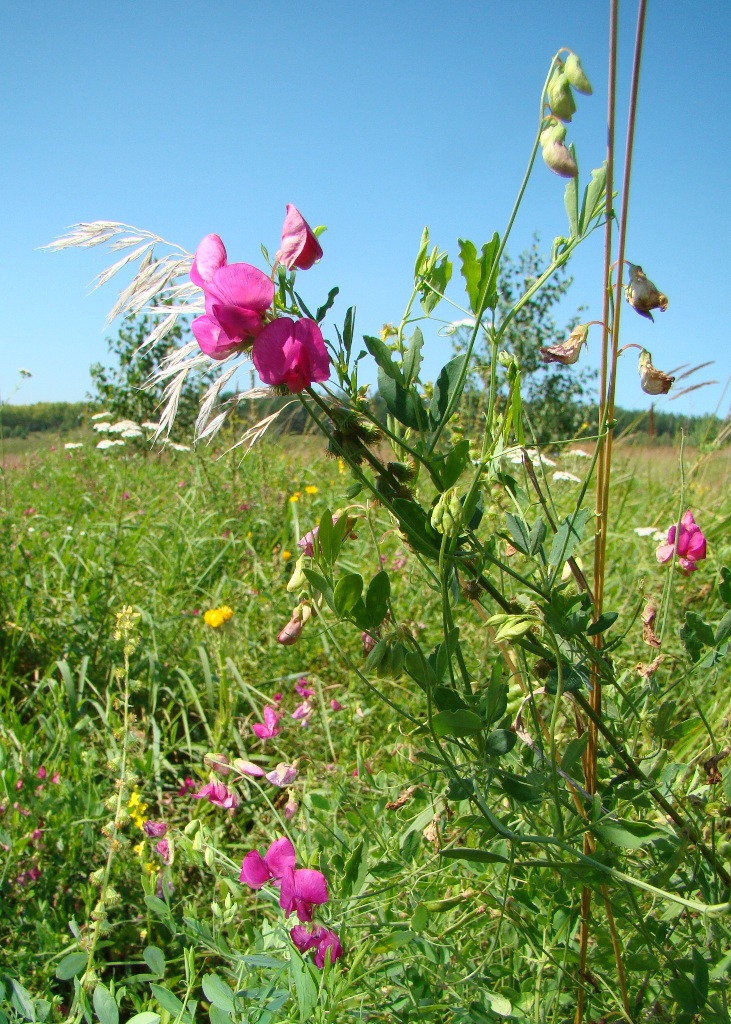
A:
(642, 294)
(567, 352)
(298, 579)
(554, 131)
(653, 382)
(560, 98)
(575, 74)
(218, 762)
(560, 160)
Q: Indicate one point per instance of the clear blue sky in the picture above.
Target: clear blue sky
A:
(374, 119)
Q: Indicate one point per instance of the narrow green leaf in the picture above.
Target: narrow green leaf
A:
(22, 1001)
(146, 1017)
(444, 388)
(602, 624)
(593, 201)
(167, 999)
(383, 357)
(451, 467)
(305, 986)
(379, 591)
(537, 536)
(724, 585)
(412, 357)
(478, 856)
(439, 278)
(723, 630)
(571, 200)
(327, 304)
(518, 532)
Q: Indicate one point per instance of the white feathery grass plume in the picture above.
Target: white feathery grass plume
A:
(208, 402)
(255, 433)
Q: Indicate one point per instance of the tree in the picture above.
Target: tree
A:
(123, 390)
(556, 398)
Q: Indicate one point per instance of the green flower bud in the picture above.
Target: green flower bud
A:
(575, 74)
(560, 159)
(554, 131)
(298, 579)
(560, 98)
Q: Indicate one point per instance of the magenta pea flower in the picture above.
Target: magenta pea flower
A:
(291, 633)
(283, 775)
(302, 890)
(691, 544)
(256, 870)
(300, 247)
(335, 705)
(303, 712)
(307, 543)
(210, 256)
(270, 726)
(290, 808)
(303, 689)
(154, 829)
(218, 794)
(163, 848)
(291, 352)
(248, 768)
(319, 938)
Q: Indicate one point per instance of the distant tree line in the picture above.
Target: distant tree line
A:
(42, 417)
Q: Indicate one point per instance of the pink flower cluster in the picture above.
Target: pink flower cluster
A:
(691, 544)
(238, 300)
(300, 891)
(218, 794)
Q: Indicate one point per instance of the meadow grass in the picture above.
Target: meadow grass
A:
(86, 534)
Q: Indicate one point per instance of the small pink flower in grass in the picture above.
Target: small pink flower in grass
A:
(691, 544)
(290, 808)
(19, 784)
(319, 938)
(303, 712)
(301, 891)
(300, 247)
(41, 773)
(154, 829)
(303, 689)
(55, 778)
(248, 768)
(291, 352)
(256, 870)
(277, 698)
(163, 848)
(270, 726)
(188, 784)
(218, 794)
(335, 705)
(283, 775)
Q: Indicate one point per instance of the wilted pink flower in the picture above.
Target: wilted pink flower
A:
(163, 848)
(291, 632)
(218, 794)
(41, 773)
(290, 808)
(335, 705)
(567, 352)
(188, 784)
(218, 762)
(256, 870)
(270, 726)
(652, 380)
(248, 768)
(691, 544)
(319, 938)
(300, 247)
(302, 890)
(307, 543)
(154, 829)
(303, 689)
(291, 352)
(642, 294)
(303, 712)
(283, 775)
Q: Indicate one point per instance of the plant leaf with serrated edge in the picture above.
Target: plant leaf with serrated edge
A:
(400, 402)
(444, 387)
(568, 536)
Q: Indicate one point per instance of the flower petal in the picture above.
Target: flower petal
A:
(254, 871)
(209, 257)
(300, 247)
(212, 339)
(280, 857)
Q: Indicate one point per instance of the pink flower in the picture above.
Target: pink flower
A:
(248, 768)
(271, 724)
(691, 544)
(335, 705)
(300, 247)
(218, 794)
(283, 775)
(55, 778)
(290, 352)
(277, 697)
(188, 784)
(154, 829)
(307, 543)
(290, 808)
(291, 632)
(319, 938)
(41, 773)
(209, 257)
(303, 712)
(163, 848)
(302, 890)
(303, 689)
(256, 870)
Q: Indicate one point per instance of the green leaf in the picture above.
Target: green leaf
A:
(322, 310)
(700, 976)
(496, 698)
(217, 992)
(376, 656)
(520, 790)
(218, 1016)
(323, 540)
(158, 907)
(628, 835)
(568, 536)
(347, 591)
(155, 960)
(476, 271)
(383, 357)
(574, 749)
(421, 255)
(518, 532)
(348, 329)
(593, 201)
(146, 1017)
(696, 634)
(356, 870)
(411, 362)
(22, 1001)
(444, 388)
(499, 742)
(379, 591)
(571, 200)
(723, 630)
(724, 585)
(168, 1000)
(316, 581)
(537, 536)
(305, 986)
(71, 965)
(419, 532)
(574, 678)
(457, 723)
(439, 278)
(450, 466)
(400, 402)
(105, 1005)
(478, 856)
(605, 620)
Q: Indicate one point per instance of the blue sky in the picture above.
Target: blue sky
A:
(374, 119)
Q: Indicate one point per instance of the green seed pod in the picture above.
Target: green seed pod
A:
(192, 826)
(560, 98)
(437, 515)
(456, 509)
(209, 856)
(575, 74)
(384, 665)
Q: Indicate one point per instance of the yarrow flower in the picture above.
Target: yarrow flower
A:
(691, 544)
(216, 617)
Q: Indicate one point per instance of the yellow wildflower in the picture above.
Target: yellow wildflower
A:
(286, 555)
(216, 617)
(294, 497)
(311, 489)
(139, 849)
(341, 466)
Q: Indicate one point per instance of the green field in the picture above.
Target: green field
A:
(426, 936)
